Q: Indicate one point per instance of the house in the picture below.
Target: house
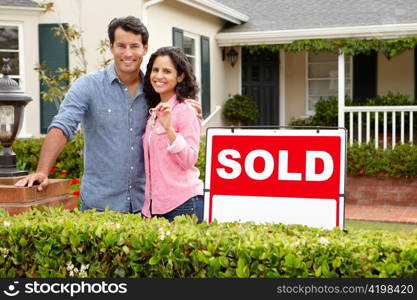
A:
(190, 24)
(285, 84)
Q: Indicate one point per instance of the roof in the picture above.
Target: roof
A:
(216, 8)
(300, 14)
(25, 3)
(284, 21)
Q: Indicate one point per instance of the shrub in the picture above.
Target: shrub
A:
(364, 159)
(59, 243)
(325, 115)
(201, 163)
(70, 161)
(326, 109)
(240, 109)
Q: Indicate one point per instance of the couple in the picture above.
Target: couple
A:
(141, 132)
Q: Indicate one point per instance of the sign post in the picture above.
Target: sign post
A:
(290, 176)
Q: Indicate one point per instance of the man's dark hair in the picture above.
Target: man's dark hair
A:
(131, 24)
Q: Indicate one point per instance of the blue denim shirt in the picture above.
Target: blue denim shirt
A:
(113, 125)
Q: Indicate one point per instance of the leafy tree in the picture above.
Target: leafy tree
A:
(59, 81)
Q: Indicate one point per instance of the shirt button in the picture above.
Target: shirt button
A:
(125, 89)
(128, 198)
(131, 129)
(131, 109)
(130, 187)
(131, 167)
(131, 148)
(109, 110)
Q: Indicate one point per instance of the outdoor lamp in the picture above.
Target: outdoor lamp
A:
(232, 56)
(12, 103)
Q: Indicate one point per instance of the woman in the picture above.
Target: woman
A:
(172, 137)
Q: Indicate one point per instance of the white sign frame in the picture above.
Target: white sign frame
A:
(228, 211)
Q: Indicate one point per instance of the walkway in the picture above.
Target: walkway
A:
(393, 214)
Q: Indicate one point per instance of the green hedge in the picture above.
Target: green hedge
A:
(59, 243)
(362, 159)
(68, 165)
(70, 162)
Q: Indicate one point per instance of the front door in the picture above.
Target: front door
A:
(260, 80)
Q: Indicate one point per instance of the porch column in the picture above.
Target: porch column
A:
(341, 90)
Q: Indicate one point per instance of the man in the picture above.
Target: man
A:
(111, 106)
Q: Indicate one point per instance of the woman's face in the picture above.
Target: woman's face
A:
(164, 77)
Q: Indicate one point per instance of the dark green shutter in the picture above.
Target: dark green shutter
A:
(365, 76)
(178, 37)
(205, 75)
(54, 54)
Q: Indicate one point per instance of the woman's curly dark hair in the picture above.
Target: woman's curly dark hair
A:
(187, 88)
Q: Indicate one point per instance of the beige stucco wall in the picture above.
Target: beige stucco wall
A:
(30, 84)
(232, 83)
(396, 75)
(164, 16)
(295, 89)
(91, 16)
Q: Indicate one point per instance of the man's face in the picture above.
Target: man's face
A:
(128, 51)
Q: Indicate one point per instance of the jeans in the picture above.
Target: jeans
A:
(85, 207)
(193, 206)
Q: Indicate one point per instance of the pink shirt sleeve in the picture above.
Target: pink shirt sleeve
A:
(186, 145)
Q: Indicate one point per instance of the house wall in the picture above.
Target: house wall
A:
(166, 15)
(77, 12)
(92, 17)
(30, 55)
(295, 85)
(396, 75)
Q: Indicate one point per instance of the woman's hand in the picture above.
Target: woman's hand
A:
(163, 114)
(197, 106)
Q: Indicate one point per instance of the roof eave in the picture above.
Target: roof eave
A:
(390, 31)
(9, 9)
(217, 9)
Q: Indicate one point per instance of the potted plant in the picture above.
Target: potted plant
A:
(240, 109)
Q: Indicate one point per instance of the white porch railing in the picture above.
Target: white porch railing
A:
(356, 129)
(206, 120)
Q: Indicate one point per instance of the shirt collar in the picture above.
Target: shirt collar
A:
(111, 72)
(172, 101)
(112, 75)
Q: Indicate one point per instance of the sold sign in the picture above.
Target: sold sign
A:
(270, 175)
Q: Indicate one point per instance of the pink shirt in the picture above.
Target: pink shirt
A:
(171, 175)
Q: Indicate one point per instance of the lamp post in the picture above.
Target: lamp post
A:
(12, 104)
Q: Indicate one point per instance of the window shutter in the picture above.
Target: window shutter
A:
(205, 75)
(364, 76)
(54, 54)
(178, 38)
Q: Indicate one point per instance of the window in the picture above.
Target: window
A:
(197, 49)
(192, 51)
(322, 78)
(11, 47)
